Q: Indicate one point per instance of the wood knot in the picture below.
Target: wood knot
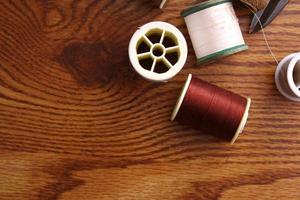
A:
(53, 17)
(89, 63)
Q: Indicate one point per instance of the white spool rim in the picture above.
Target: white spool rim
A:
(203, 6)
(277, 77)
(181, 97)
(290, 76)
(223, 53)
(243, 122)
(181, 48)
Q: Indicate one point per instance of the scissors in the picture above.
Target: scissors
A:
(267, 15)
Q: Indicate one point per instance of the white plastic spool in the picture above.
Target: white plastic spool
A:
(158, 51)
(287, 77)
(214, 30)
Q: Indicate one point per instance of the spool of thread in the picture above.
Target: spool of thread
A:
(287, 77)
(214, 30)
(158, 51)
(160, 3)
(211, 109)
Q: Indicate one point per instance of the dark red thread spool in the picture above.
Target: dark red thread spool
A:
(211, 109)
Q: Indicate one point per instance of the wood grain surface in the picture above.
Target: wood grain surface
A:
(76, 122)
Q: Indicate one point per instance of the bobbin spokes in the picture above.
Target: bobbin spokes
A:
(160, 49)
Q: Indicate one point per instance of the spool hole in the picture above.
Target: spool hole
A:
(154, 35)
(146, 63)
(296, 74)
(158, 50)
(161, 67)
(169, 40)
(172, 57)
(142, 47)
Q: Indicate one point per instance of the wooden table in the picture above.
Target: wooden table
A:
(76, 122)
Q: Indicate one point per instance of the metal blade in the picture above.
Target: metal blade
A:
(255, 19)
(267, 15)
